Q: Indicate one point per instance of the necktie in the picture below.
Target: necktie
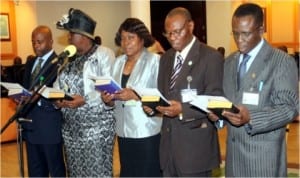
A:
(37, 69)
(242, 68)
(176, 71)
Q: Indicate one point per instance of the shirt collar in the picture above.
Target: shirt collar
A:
(256, 49)
(47, 55)
(253, 53)
(186, 50)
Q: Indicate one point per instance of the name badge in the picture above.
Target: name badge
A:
(188, 95)
(250, 98)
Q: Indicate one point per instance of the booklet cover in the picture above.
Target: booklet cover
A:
(106, 83)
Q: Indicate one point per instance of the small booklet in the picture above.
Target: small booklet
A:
(151, 97)
(106, 83)
(15, 90)
(215, 104)
(53, 93)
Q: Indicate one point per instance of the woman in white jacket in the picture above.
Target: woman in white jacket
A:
(138, 133)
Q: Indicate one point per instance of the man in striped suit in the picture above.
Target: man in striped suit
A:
(265, 89)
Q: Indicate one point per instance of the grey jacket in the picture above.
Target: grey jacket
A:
(261, 151)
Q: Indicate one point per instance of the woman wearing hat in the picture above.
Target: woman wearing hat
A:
(138, 133)
(88, 128)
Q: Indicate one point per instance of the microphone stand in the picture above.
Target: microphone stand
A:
(25, 106)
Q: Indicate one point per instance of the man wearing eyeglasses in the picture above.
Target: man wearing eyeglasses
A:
(189, 142)
(265, 89)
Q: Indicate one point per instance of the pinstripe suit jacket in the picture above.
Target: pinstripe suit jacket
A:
(262, 151)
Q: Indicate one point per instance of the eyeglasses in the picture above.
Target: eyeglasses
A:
(176, 33)
(243, 35)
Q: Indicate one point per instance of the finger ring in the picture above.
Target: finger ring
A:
(151, 113)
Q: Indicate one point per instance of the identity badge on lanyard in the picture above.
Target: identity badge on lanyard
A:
(188, 94)
(252, 97)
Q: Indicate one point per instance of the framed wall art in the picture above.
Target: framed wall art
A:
(4, 27)
(8, 37)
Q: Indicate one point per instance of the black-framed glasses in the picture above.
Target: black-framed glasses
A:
(175, 33)
(243, 35)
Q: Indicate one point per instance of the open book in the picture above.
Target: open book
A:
(106, 83)
(215, 104)
(16, 91)
(151, 97)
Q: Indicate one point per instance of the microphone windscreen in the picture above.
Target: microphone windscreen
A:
(71, 50)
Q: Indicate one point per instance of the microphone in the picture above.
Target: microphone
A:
(69, 51)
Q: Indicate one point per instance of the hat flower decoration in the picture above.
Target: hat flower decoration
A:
(77, 22)
(64, 20)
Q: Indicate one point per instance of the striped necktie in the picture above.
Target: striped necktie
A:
(37, 69)
(242, 68)
(176, 71)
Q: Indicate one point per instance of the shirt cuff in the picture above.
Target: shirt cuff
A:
(106, 107)
(248, 128)
(219, 123)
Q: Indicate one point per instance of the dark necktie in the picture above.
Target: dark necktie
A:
(242, 68)
(37, 69)
(176, 71)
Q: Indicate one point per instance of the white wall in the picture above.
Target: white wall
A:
(24, 27)
(218, 19)
(109, 15)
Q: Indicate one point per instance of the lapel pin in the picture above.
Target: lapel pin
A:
(253, 75)
(190, 63)
(189, 79)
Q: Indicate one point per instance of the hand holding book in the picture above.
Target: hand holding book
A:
(218, 106)
(151, 97)
(215, 104)
(106, 83)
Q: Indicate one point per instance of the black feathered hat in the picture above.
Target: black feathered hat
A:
(77, 22)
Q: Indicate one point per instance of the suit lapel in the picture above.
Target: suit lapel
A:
(257, 66)
(189, 62)
(169, 69)
(230, 82)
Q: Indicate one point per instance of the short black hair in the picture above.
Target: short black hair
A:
(180, 11)
(134, 25)
(250, 9)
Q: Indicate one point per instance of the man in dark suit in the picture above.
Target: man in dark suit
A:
(189, 142)
(43, 135)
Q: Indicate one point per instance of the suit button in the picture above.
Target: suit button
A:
(233, 139)
(168, 129)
